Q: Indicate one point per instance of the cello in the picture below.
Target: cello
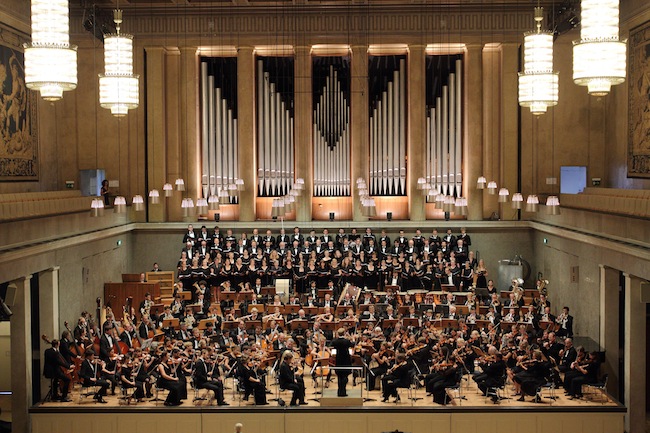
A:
(77, 350)
(67, 372)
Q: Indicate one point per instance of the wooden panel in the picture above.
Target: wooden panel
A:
(115, 295)
(253, 423)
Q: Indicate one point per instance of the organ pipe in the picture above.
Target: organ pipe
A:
(444, 132)
(388, 135)
(218, 132)
(331, 138)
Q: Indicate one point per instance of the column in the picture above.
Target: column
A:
(21, 355)
(190, 145)
(156, 138)
(635, 360)
(176, 162)
(48, 307)
(509, 151)
(609, 329)
(417, 129)
(247, 157)
(304, 148)
(359, 145)
(473, 145)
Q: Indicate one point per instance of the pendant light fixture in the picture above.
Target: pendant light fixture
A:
(119, 88)
(538, 84)
(50, 60)
(599, 56)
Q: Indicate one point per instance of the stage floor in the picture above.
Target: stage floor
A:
(471, 398)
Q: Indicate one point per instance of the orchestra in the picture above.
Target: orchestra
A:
(409, 314)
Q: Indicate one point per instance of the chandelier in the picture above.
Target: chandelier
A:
(50, 60)
(538, 84)
(599, 55)
(118, 87)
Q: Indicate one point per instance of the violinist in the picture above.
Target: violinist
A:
(585, 372)
(209, 377)
(178, 366)
(397, 376)
(127, 378)
(493, 369)
(110, 369)
(567, 355)
(168, 381)
(442, 375)
(252, 381)
(291, 380)
(89, 375)
(531, 376)
(380, 361)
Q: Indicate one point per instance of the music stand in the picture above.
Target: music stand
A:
(290, 309)
(230, 324)
(411, 321)
(311, 310)
(203, 323)
(252, 324)
(323, 292)
(388, 323)
(185, 296)
(448, 288)
(298, 324)
(171, 323)
(268, 290)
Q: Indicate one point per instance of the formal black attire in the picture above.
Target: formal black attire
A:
(397, 378)
(343, 359)
(53, 365)
(288, 380)
(87, 373)
(202, 381)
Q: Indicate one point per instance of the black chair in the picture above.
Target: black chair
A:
(600, 385)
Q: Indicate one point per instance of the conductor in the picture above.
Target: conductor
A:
(343, 359)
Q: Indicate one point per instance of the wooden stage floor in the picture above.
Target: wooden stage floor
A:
(472, 398)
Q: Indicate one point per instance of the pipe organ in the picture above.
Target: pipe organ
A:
(443, 169)
(331, 126)
(275, 125)
(387, 125)
(219, 124)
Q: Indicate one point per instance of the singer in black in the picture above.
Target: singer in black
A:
(343, 359)
(289, 380)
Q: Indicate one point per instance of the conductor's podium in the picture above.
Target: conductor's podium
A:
(329, 398)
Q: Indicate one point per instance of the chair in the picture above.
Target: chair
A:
(600, 385)
(158, 393)
(87, 391)
(497, 391)
(456, 388)
(549, 385)
(197, 394)
(124, 397)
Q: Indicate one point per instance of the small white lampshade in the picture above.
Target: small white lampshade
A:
(168, 190)
(503, 195)
(213, 202)
(517, 200)
(481, 182)
(154, 196)
(553, 205)
(97, 207)
(532, 203)
(138, 203)
(180, 184)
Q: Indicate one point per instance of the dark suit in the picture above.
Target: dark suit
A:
(89, 372)
(398, 378)
(288, 380)
(53, 361)
(202, 381)
(343, 359)
(105, 345)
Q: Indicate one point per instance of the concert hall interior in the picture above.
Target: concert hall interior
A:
(325, 216)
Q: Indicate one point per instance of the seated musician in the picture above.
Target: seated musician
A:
(370, 313)
(167, 380)
(209, 377)
(89, 374)
(347, 300)
(293, 300)
(367, 298)
(328, 302)
(53, 368)
(183, 333)
(452, 313)
(442, 375)
(511, 316)
(250, 375)
(493, 373)
(177, 306)
(290, 379)
(127, 377)
(565, 320)
(582, 373)
(532, 374)
(567, 355)
(397, 376)
(310, 301)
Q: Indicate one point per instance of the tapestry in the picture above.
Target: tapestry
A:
(18, 132)
(638, 160)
